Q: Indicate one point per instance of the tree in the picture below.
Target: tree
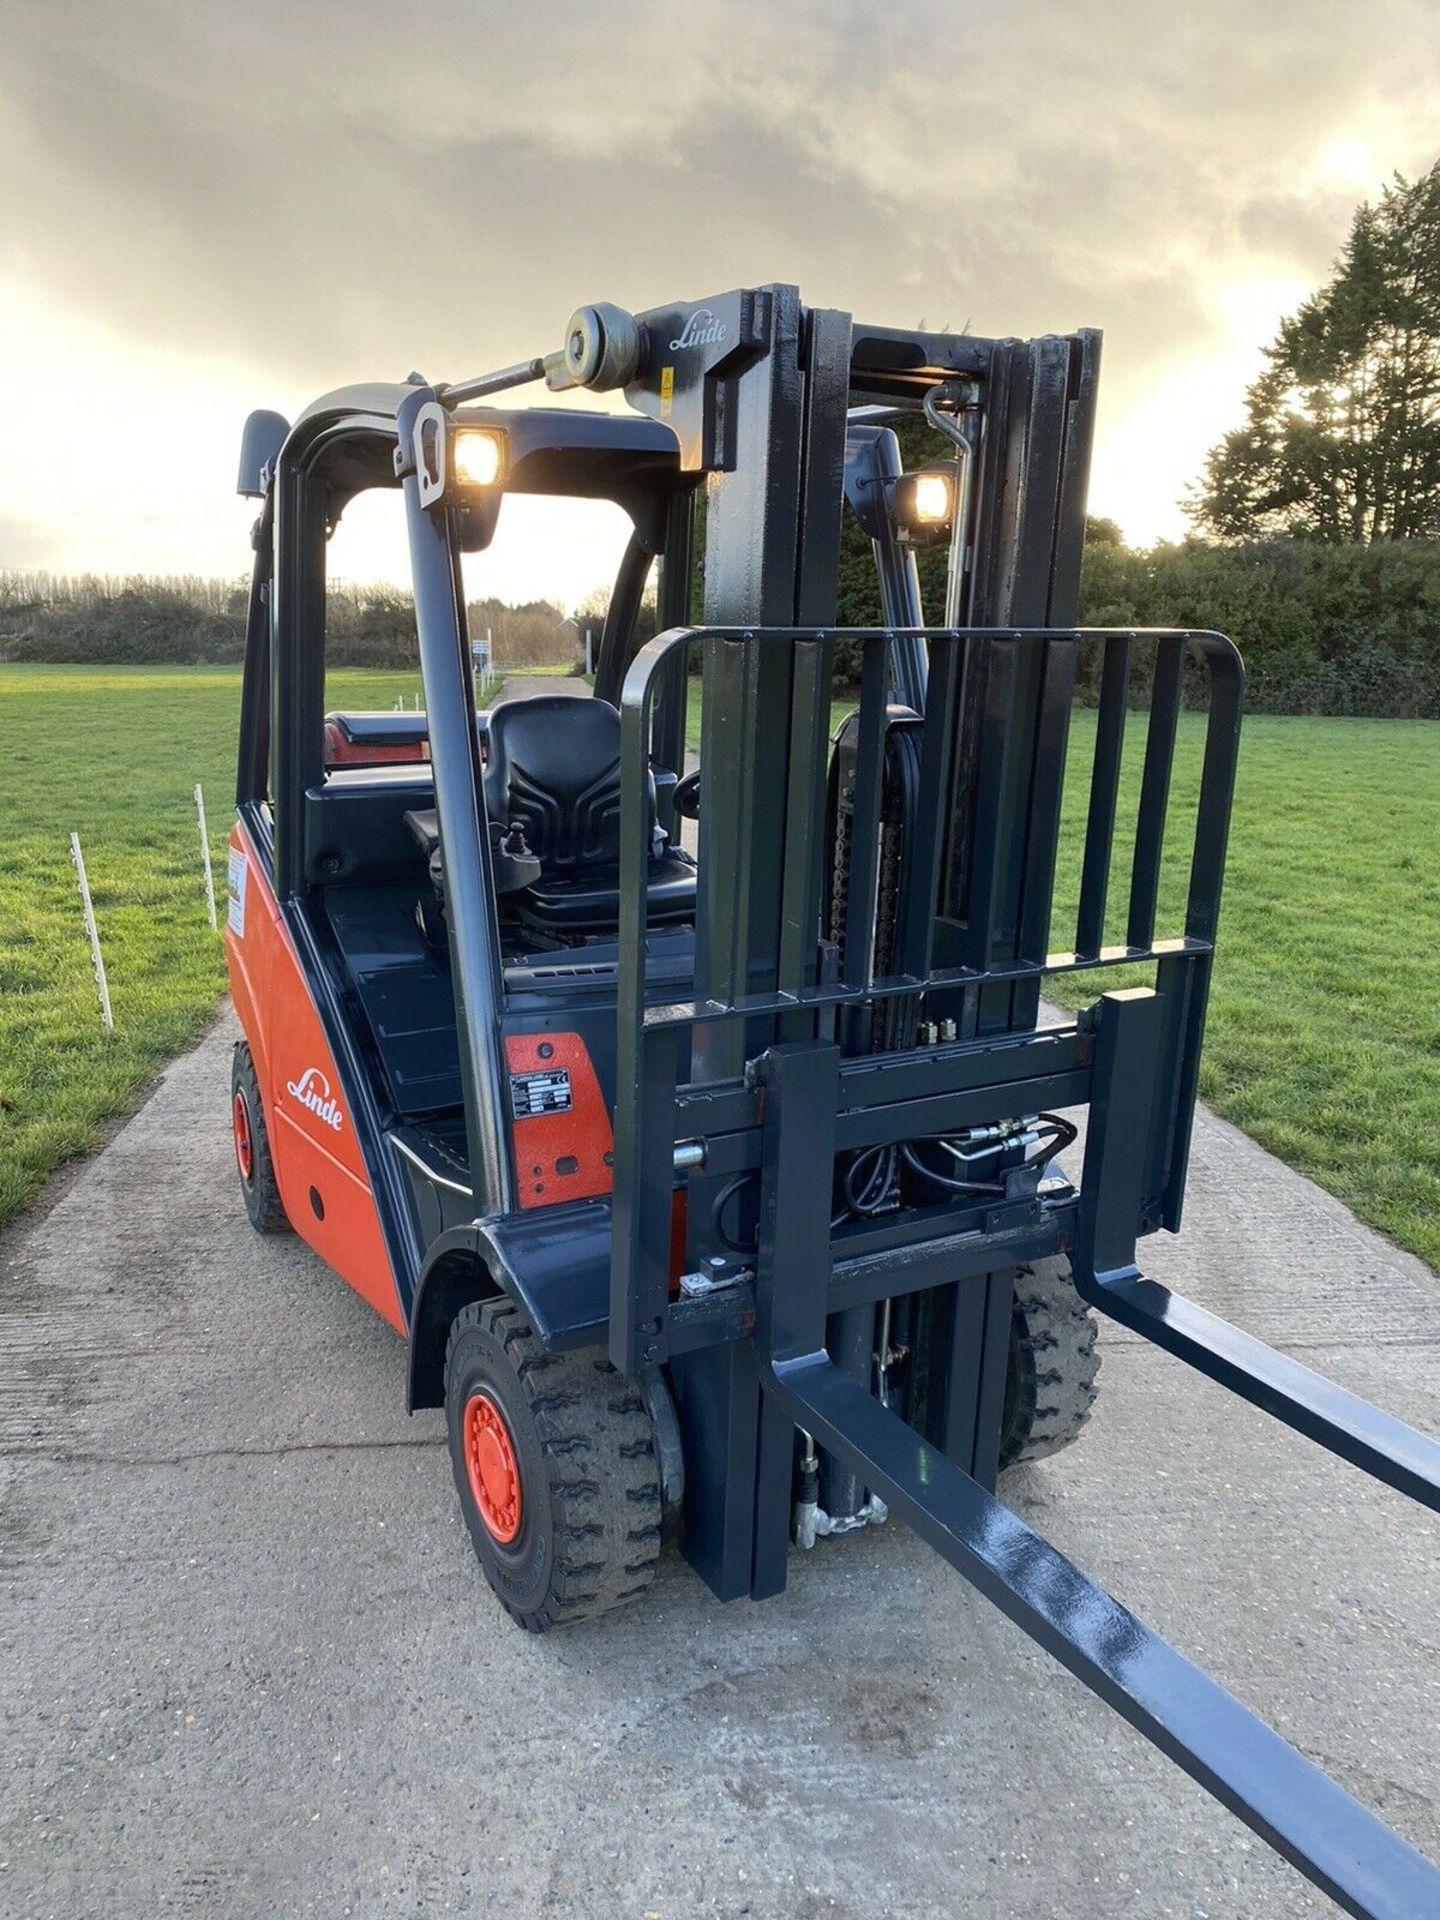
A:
(1101, 532)
(1341, 439)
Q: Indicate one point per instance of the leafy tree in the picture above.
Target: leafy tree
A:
(1101, 532)
(1341, 439)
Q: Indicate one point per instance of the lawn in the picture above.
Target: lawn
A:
(113, 755)
(1324, 1040)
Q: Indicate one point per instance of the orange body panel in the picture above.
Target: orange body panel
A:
(318, 1161)
(561, 1155)
(340, 752)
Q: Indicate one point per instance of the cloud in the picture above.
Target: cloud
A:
(328, 192)
(26, 543)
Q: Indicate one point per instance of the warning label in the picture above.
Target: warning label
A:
(238, 869)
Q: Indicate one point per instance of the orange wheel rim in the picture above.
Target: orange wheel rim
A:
(493, 1470)
(244, 1145)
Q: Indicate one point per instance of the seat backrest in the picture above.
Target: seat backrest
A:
(375, 739)
(554, 770)
(380, 739)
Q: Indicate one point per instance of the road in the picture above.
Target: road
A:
(251, 1668)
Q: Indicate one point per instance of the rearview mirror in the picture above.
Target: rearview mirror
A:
(265, 434)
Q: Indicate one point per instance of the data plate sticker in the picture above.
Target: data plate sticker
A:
(546, 1091)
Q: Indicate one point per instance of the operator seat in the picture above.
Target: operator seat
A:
(553, 770)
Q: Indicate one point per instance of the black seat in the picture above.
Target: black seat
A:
(553, 770)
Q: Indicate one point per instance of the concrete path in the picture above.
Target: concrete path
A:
(251, 1669)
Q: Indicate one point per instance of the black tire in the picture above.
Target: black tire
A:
(588, 1469)
(258, 1186)
(1050, 1381)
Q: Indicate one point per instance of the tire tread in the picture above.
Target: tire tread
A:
(1054, 1364)
(263, 1205)
(602, 1468)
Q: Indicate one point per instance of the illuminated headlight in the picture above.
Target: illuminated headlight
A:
(924, 505)
(478, 456)
(932, 496)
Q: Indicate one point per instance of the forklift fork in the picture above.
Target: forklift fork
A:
(1337, 1843)
(1104, 1269)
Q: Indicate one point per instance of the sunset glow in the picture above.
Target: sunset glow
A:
(157, 312)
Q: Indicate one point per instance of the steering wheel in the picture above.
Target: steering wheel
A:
(686, 797)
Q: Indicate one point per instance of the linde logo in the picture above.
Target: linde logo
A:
(312, 1090)
(701, 329)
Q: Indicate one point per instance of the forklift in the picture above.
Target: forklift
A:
(700, 1128)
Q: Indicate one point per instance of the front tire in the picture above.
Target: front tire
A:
(1050, 1380)
(556, 1466)
(258, 1186)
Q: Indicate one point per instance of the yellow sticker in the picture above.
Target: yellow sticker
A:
(667, 389)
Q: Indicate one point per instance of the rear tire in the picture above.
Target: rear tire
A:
(258, 1187)
(556, 1466)
(1050, 1381)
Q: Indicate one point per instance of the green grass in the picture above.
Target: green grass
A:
(113, 755)
(1324, 1032)
(1324, 1040)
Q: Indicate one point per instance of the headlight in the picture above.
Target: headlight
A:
(932, 496)
(456, 464)
(478, 455)
(924, 505)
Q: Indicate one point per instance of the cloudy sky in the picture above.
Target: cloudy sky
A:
(206, 207)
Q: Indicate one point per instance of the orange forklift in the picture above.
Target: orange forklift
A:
(697, 1127)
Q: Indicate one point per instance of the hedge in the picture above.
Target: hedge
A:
(1324, 629)
(93, 620)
